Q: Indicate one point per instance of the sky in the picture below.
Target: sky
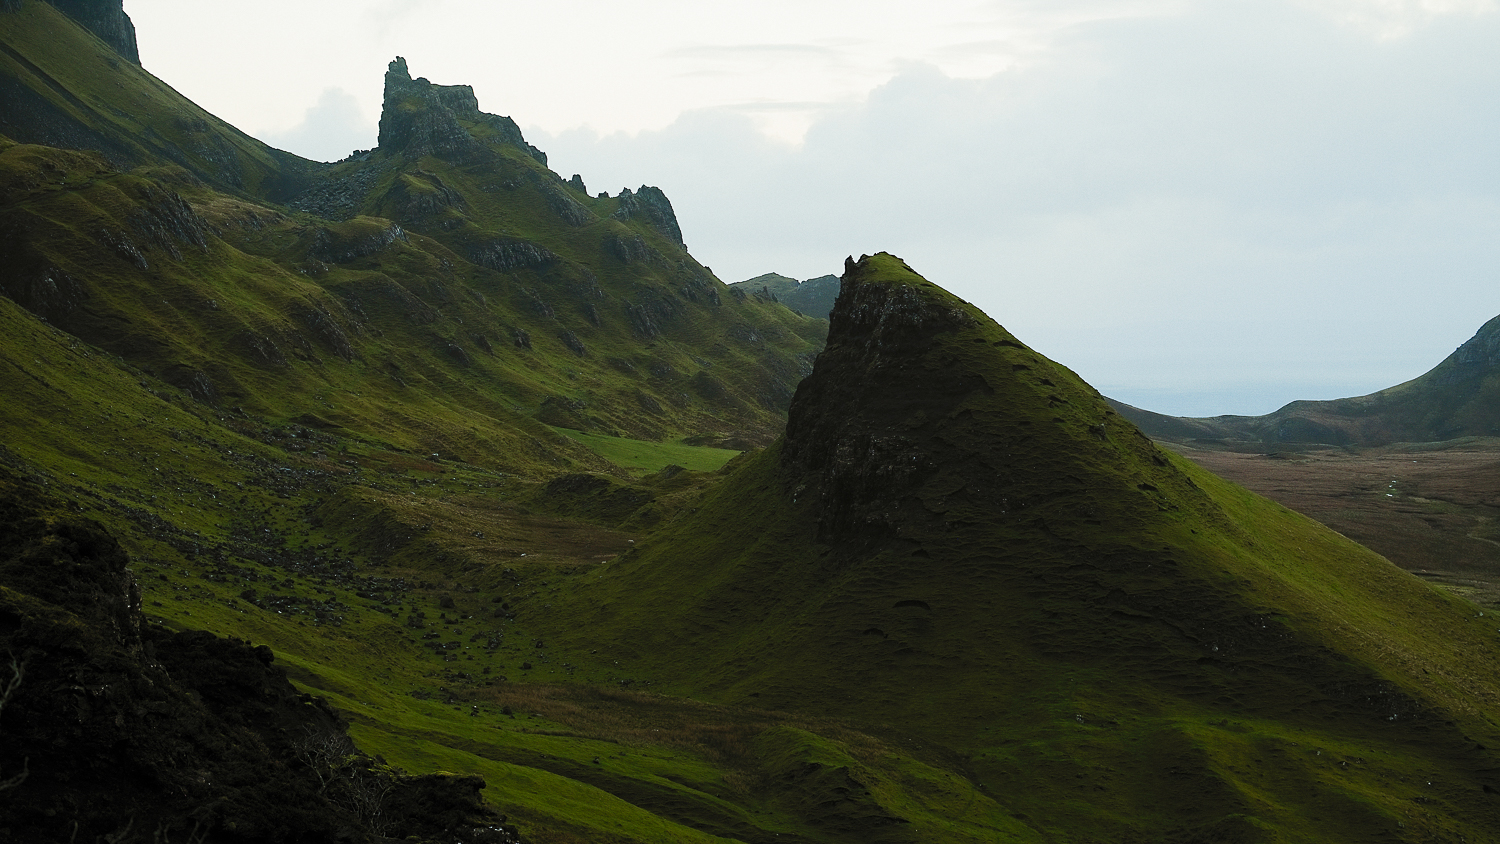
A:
(1200, 206)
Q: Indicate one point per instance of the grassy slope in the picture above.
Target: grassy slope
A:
(286, 315)
(400, 344)
(227, 515)
(1143, 650)
(647, 456)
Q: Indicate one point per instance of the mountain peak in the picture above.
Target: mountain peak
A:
(922, 414)
(420, 118)
(863, 465)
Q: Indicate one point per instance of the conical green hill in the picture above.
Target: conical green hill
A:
(959, 541)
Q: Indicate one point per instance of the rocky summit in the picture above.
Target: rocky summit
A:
(420, 118)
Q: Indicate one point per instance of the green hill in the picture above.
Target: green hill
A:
(449, 271)
(959, 540)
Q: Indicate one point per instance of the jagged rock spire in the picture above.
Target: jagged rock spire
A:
(420, 118)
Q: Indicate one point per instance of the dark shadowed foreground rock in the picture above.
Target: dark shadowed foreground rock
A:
(112, 729)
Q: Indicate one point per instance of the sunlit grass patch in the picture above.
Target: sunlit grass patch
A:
(651, 457)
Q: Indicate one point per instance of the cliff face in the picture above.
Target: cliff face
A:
(852, 439)
(104, 18)
(651, 205)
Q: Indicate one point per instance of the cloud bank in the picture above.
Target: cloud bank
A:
(1217, 210)
(330, 130)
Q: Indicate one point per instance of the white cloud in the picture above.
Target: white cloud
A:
(612, 66)
(1393, 19)
(329, 131)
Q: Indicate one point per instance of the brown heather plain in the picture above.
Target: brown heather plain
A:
(1430, 508)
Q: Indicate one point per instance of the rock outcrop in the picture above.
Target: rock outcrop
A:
(864, 466)
(649, 204)
(420, 118)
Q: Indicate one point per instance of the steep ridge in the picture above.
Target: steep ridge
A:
(448, 268)
(960, 540)
(64, 87)
(104, 18)
(1460, 397)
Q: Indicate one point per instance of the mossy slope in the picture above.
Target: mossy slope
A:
(960, 540)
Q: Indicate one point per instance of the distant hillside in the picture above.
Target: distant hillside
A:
(1459, 397)
(813, 297)
(448, 269)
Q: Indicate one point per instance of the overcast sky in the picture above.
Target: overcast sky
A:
(1201, 207)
